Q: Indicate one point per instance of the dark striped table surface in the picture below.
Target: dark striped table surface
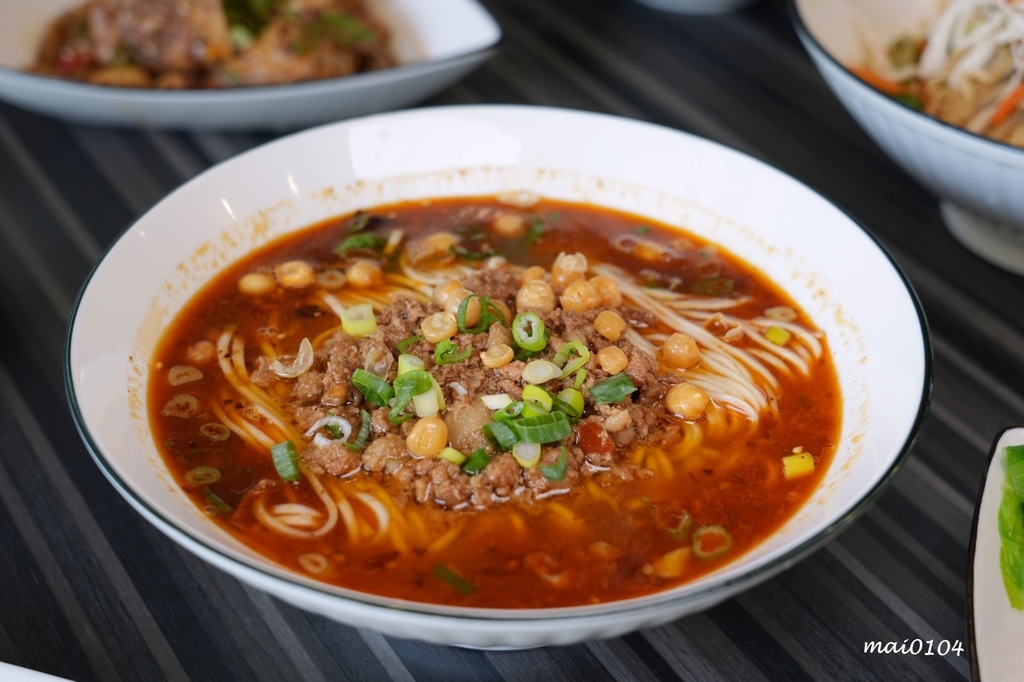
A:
(90, 591)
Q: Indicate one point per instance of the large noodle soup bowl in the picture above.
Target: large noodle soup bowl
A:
(978, 180)
(818, 254)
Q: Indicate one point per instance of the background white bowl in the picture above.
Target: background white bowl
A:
(436, 43)
(875, 326)
(979, 181)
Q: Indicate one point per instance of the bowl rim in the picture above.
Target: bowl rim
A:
(805, 33)
(427, 610)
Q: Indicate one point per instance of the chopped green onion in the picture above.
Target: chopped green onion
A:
(496, 401)
(358, 320)
(446, 352)
(373, 388)
(426, 404)
(362, 241)
(528, 331)
(286, 460)
(489, 314)
(613, 389)
(510, 411)
(777, 335)
(452, 455)
(540, 371)
(502, 434)
(364, 432)
(524, 355)
(711, 541)
(535, 231)
(463, 252)
(359, 223)
(527, 454)
(910, 100)
(570, 401)
(556, 471)
(544, 428)
(214, 501)
(407, 386)
(408, 363)
(581, 376)
(200, 476)
(408, 342)
(454, 579)
(476, 461)
(566, 362)
(536, 401)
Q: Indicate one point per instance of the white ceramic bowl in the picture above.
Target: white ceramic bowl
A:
(436, 43)
(874, 325)
(979, 182)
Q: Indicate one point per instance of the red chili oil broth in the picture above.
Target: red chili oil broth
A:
(589, 546)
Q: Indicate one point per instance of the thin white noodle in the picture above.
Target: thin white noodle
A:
(379, 510)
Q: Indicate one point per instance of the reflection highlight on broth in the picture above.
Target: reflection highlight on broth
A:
(497, 402)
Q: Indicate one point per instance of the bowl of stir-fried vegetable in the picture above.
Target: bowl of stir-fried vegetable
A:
(938, 85)
(234, 64)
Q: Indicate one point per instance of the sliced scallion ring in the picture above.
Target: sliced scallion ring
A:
(540, 371)
(571, 357)
(358, 320)
(502, 434)
(545, 428)
(373, 388)
(528, 332)
(536, 401)
(527, 454)
(286, 460)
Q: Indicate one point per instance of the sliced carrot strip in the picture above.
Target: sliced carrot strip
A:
(1007, 106)
(879, 82)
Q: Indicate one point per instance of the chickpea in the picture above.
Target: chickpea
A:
(441, 242)
(608, 289)
(509, 224)
(686, 401)
(439, 326)
(201, 352)
(256, 284)
(580, 296)
(610, 325)
(454, 302)
(443, 291)
(612, 359)
(566, 269)
(364, 273)
(295, 274)
(534, 272)
(497, 355)
(428, 437)
(505, 310)
(535, 295)
(679, 351)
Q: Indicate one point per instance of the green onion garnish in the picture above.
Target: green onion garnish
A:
(613, 389)
(408, 386)
(536, 401)
(446, 352)
(711, 541)
(502, 434)
(463, 252)
(214, 500)
(359, 223)
(358, 320)
(577, 381)
(454, 579)
(200, 476)
(363, 240)
(544, 428)
(556, 471)
(714, 286)
(286, 460)
(571, 357)
(535, 231)
(373, 388)
(408, 342)
(570, 401)
(489, 314)
(510, 411)
(476, 461)
(528, 332)
(364, 432)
